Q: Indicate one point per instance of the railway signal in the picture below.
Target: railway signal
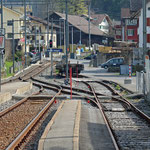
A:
(50, 43)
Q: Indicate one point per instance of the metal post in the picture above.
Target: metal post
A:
(67, 42)
(0, 52)
(144, 30)
(89, 14)
(25, 33)
(39, 45)
(47, 26)
(80, 37)
(60, 32)
(35, 39)
(64, 36)
(1, 13)
(13, 44)
(51, 51)
(72, 39)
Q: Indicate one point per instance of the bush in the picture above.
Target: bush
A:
(19, 55)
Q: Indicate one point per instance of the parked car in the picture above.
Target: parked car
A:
(114, 62)
(33, 57)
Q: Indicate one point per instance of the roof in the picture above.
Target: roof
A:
(81, 24)
(14, 11)
(40, 20)
(98, 18)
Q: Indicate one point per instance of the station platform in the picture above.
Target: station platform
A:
(62, 132)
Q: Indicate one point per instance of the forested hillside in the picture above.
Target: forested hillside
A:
(77, 7)
(110, 7)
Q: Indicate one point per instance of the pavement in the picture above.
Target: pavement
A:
(18, 88)
(98, 73)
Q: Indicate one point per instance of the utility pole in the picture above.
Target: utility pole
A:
(39, 45)
(80, 37)
(25, 33)
(51, 49)
(144, 31)
(47, 26)
(64, 36)
(0, 52)
(35, 39)
(89, 14)
(13, 46)
(2, 14)
(67, 48)
(60, 31)
(72, 39)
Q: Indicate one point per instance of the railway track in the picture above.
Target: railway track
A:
(128, 117)
(20, 119)
(26, 74)
(128, 126)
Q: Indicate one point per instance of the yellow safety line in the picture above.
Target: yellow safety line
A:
(77, 127)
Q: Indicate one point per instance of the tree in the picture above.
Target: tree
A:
(110, 7)
(75, 7)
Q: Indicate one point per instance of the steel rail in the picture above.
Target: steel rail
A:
(134, 108)
(65, 87)
(2, 113)
(26, 76)
(20, 138)
(114, 140)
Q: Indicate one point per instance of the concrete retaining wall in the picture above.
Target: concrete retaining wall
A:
(5, 97)
(24, 89)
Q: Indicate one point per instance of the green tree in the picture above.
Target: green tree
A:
(75, 7)
(110, 7)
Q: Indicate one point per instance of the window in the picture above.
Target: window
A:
(148, 38)
(118, 32)
(101, 27)
(9, 35)
(131, 22)
(130, 32)
(42, 37)
(148, 21)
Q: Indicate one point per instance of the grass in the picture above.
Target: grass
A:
(8, 64)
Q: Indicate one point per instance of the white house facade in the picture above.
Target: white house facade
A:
(104, 26)
(140, 29)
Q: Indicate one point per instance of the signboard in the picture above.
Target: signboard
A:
(2, 43)
(2, 32)
(54, 50)
(147, 62)
(2, 38)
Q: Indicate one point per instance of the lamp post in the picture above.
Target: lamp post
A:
(13, 46)
(25, 33)
(67, 47)
(0, 52)
(89, 15)
(64, 33)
